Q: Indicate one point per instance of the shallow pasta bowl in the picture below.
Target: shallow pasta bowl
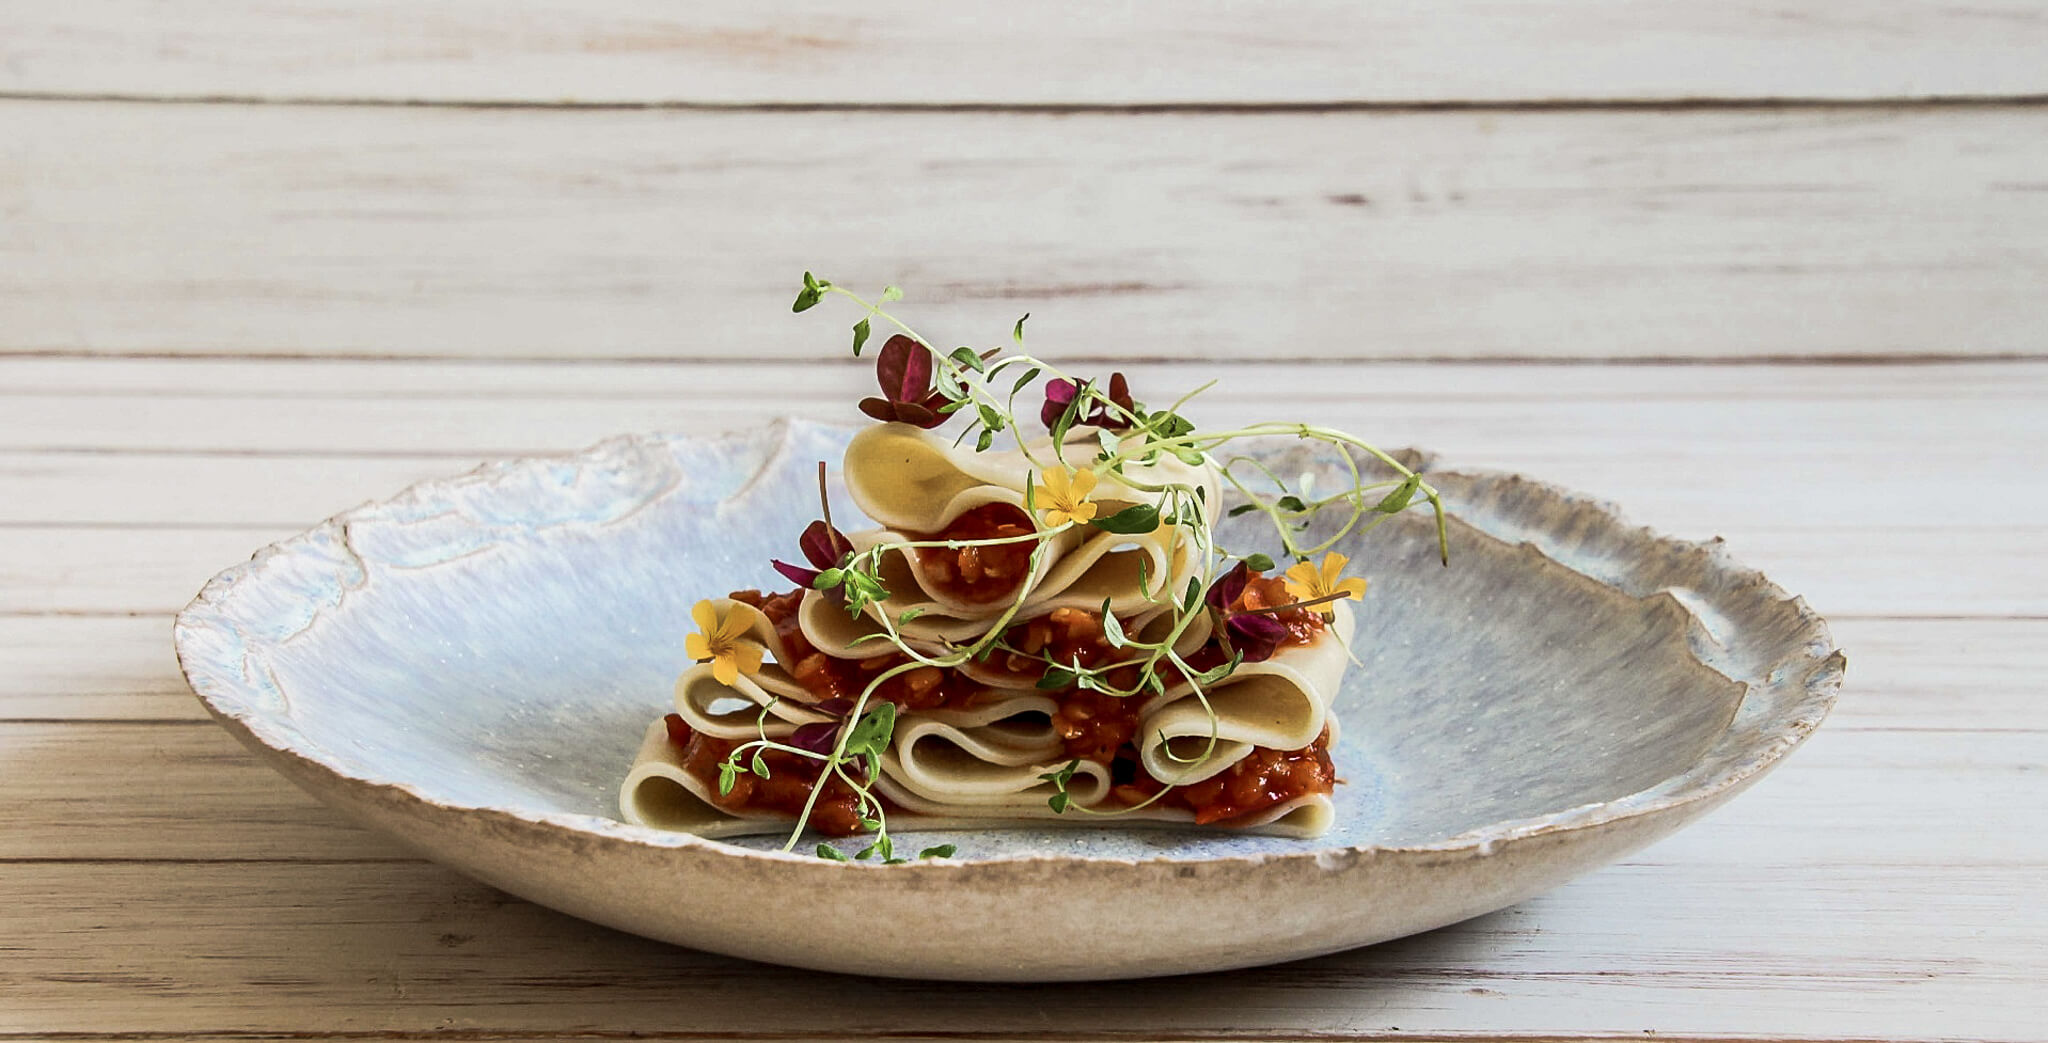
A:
(469, 666)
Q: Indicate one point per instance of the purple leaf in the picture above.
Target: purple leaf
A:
(817, 738)
(1224, 592)
(824, 546)
(798, 575)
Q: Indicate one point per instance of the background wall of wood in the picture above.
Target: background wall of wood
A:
(1769, 272)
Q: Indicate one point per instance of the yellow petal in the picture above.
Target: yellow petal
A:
(1084, 483)
(1055, 517)
(1302, 580)
(1354, 588)
(1055, 484)
(725, 669)
(697, 646)
(1084, 511)
(747, 655)
(734, 624)
(706, 616)
(1333, 567)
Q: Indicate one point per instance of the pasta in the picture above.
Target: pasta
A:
(1043, 634)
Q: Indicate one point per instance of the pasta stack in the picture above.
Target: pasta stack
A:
(1062, 718)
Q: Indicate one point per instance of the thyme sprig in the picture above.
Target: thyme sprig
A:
(929, 386)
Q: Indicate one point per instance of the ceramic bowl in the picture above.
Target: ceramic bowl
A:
(469, 665)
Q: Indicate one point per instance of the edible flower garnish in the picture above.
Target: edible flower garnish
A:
(1254, 635)
(719, 640)
(1324, 583)
(1064, 497)
(825, 548)
(904, 370)
(1060, 396)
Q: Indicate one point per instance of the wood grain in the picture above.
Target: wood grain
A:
(1798, 952)
(536, 233)
(930, 52)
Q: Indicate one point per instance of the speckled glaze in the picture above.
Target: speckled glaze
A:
(469, 666)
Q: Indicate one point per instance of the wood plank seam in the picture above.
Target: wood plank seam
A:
(1173, 108)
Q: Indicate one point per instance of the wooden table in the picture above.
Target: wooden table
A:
(1772, 274)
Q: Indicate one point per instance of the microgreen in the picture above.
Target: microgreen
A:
(925, 386)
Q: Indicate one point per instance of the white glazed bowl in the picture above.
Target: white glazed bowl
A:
(469, 667)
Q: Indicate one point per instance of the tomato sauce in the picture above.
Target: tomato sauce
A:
(787, 787)
(979, 575)
(1265, 778)
(1091, 725)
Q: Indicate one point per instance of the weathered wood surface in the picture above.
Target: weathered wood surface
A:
(525, 233)
(1879, 885)
(1216, 189)
(933, 52)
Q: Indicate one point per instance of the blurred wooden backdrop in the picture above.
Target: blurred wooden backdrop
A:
(1775, 272)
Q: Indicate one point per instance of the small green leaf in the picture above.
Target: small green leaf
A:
(828, 579)
(891, 293)
(811, 282)
(1220, 671)
(1059, 802)
(1057, 677)
(1144, 576)
(1029, 376)
(728, 776)
(1170, 425)
(1112, 630)
(1138, 518)
(806, 299)
(908, 615)
(895, 861)
(1290, 503)
(860, 336)
(984, 441)
(866, 853)
(1397, 501)
(991, 418)
(1018, 333)
(1190, 457)
(1030, 493)
(1242, 508)
(759, 766)
(941, 851)
(1259, 563)
(830, 853)
(871, 733)
(970, 358)
(1193, 596)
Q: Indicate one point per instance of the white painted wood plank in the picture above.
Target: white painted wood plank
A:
(1147, 51)
(1789, 953)
(680, 234)
(92, 668)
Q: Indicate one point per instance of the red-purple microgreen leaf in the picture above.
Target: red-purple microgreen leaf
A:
(802, 577)
(824, 546)
(1224, 592)
(817, 738)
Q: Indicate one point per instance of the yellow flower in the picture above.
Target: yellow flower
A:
(1308, 582)
(719, 641)
(1064, 497)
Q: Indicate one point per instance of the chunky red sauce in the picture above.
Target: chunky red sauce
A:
(1092, 725)
(788, 785)
(979, 574)
(1265, 778)
(829, 677)
(1303, 625)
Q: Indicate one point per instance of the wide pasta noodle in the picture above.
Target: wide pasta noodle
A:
(982, 745)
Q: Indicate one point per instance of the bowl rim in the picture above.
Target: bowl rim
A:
(233, 700)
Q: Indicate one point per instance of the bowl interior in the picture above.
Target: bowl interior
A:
(501, 641)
